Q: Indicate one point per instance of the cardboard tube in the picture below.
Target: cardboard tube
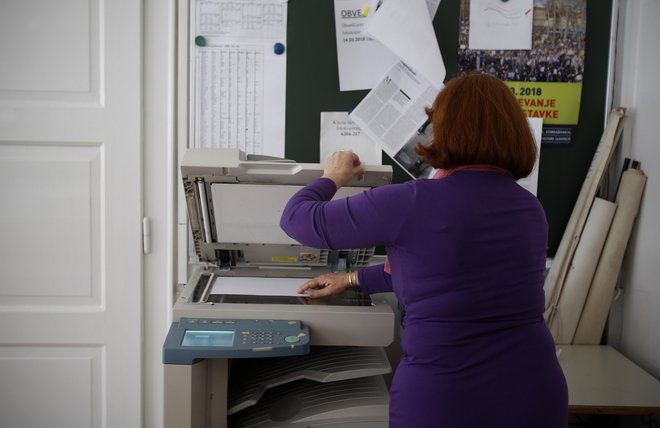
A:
(581, 272)
(597, 306)
(554, 280)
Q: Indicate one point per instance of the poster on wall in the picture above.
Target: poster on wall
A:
(546, 79)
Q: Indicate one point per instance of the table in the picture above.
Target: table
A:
(603, 381)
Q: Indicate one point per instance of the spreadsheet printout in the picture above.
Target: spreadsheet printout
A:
(239, 75)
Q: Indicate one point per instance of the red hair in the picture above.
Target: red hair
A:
(477, 120)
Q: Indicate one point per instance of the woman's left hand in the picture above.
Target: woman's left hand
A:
(325, 285)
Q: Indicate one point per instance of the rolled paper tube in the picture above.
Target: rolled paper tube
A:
(597, 306)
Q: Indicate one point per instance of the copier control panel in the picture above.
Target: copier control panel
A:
(194, 339)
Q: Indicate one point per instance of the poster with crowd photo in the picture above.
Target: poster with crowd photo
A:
(547, 79)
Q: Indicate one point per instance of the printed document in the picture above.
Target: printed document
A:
(499, 25)
(339, 132)
(361, 59)
(238, 54)
(406, 29)
(393, 114)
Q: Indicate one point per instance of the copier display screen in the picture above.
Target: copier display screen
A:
(208, 338)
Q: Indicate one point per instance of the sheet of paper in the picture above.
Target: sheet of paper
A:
(532, 180)
(257, 286)
(433, 7)
(388, 104)
(339, 132)
(239, 75)
(362, 61)
(501, 25)
(394, 111)
(406, 29)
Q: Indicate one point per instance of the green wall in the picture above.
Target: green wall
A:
(313, 87)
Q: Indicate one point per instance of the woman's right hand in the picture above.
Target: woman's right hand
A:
(342, 166)
(325, 285)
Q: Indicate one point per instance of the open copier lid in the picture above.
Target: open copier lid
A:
(234, 207)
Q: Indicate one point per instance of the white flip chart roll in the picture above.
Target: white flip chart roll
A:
(581, 272)
(597, 306)
(554, 280)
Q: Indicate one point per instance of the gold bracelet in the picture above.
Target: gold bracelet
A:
(353, 279)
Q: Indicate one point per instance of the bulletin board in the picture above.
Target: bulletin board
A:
(313, 87)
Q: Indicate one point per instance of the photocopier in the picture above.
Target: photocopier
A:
(244, 352)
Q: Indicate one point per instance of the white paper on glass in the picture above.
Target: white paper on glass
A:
(532, 180)
(501, 25)
(257, 286)
(339, 132)
(239, 82)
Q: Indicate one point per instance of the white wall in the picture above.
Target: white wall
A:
(159, 43)
(637, 87)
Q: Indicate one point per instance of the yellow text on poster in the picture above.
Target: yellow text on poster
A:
(555, 102)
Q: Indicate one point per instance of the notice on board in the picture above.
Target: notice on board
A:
(238, 93)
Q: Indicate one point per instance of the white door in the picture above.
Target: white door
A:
(70, 213)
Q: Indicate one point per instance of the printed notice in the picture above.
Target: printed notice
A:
(361, 59)
(406, 29)
(239, 75)
(393, 114)
(339, 132)
(495, 24)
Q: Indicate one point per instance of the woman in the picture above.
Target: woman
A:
(466, 258)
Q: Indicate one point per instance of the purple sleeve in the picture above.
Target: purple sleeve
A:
(373, 217)
(374, 279)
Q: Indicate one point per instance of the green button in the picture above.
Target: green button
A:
(292, 339)
(200, 41)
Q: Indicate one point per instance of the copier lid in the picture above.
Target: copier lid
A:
(236, 202)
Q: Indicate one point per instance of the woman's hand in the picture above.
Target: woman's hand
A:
(326, 285)
(342, 166)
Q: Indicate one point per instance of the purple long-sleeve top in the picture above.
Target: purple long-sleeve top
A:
(445, 236)
(467, 257)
